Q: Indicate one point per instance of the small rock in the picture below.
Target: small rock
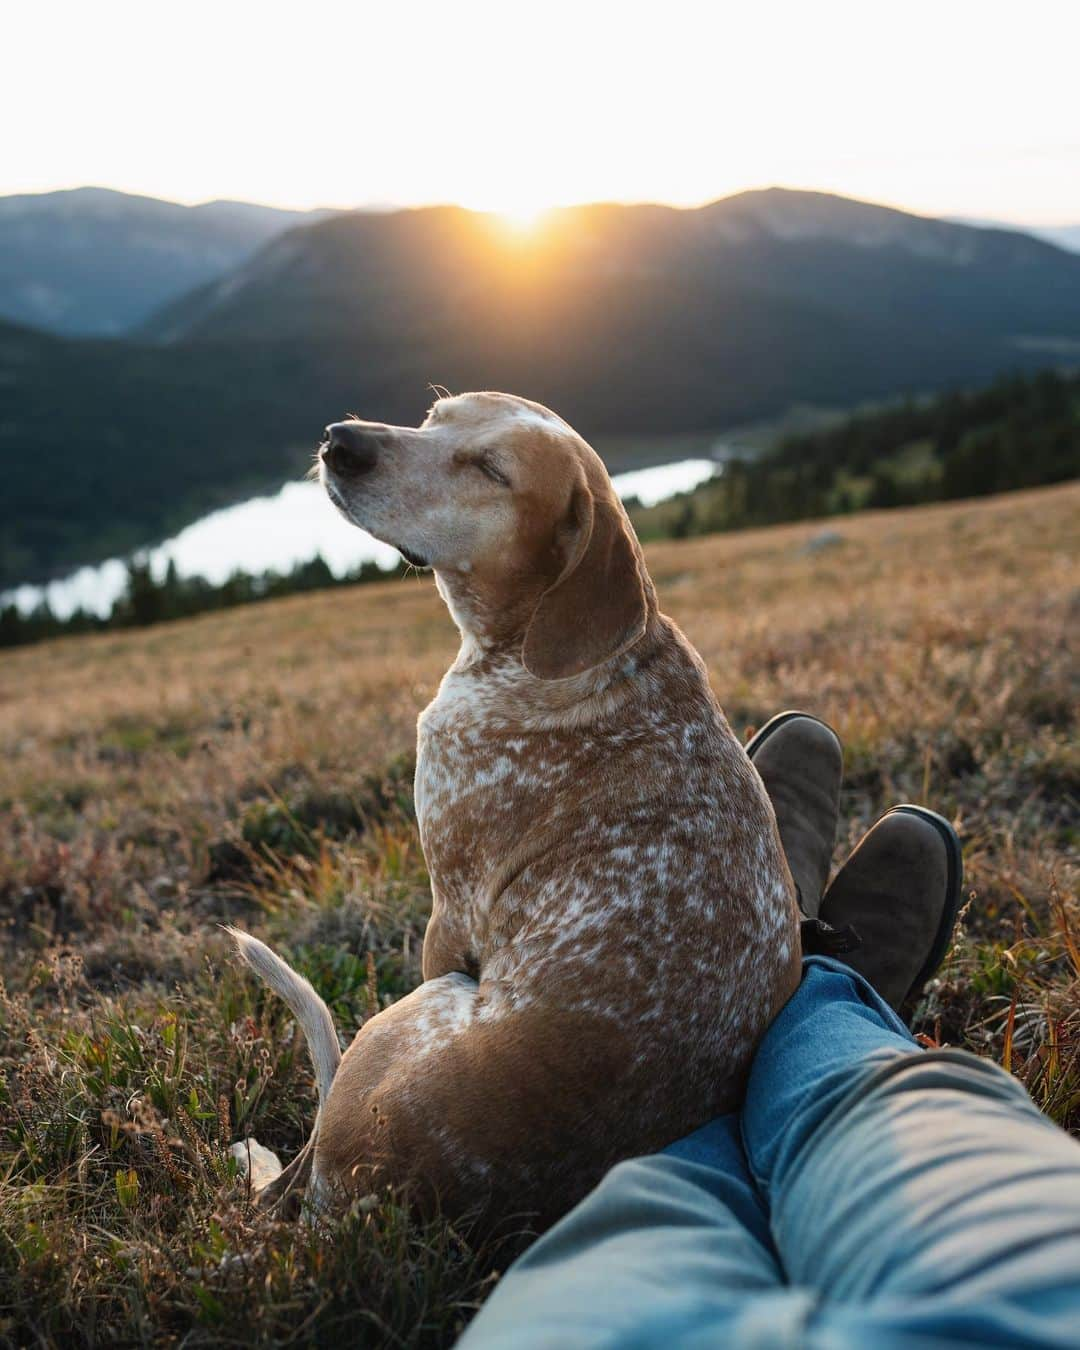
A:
(818, 543)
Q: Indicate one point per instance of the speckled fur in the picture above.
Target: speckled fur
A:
(613, 924)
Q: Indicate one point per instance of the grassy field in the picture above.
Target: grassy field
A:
(255, 766)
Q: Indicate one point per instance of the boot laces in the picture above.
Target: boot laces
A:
(820, 938)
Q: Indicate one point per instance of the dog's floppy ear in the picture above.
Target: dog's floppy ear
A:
(596, 608)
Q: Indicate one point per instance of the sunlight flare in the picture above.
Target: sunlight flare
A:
(525, 218)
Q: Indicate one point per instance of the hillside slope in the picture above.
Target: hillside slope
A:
(654, 319)
(360, 275)
(254, 767)
(94, 261)
(1017, 432)
(1064, 236)
(109, 445)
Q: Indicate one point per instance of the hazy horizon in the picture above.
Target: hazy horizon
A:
(966, 110)
(374, 206)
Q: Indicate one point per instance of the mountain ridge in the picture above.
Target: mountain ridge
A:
(751, 229)
(92, 261)
(1065, 236)
(631, 321)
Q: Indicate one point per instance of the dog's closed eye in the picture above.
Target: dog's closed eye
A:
(487, 466)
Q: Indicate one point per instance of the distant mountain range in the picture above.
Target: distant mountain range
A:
(359, 272)
(1064, 236)
(646, 318)
(632, 320)
(92, 261)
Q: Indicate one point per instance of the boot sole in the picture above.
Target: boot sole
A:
(775, 723)
(954, 887)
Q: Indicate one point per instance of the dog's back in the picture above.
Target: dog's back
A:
(622, 880)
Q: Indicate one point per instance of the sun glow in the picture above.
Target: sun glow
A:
(523, 219)
(511, 108)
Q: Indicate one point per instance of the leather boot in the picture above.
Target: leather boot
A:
(801, 763)
(899, 891)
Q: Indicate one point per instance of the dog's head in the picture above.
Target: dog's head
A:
(516, 515)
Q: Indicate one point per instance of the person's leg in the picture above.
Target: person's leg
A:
(916, 1199)
(917, 1194)
(668, 1250)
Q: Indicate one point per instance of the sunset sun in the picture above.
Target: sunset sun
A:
(524, 217)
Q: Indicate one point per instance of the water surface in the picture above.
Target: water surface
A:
(276, 533)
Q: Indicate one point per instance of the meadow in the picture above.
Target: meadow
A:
(254, 766)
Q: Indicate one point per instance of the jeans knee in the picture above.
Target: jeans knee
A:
(951, 1070)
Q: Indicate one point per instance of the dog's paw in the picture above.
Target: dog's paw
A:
(260, 1165)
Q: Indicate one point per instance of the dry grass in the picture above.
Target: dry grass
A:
(255, 765)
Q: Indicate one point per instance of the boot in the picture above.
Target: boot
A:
(801, 763)
(899, 891)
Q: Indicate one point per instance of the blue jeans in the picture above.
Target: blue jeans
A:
(870, 1195)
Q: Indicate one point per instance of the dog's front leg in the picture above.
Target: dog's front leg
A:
(447, 948)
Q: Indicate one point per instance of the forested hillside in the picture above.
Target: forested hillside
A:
(1021, 431)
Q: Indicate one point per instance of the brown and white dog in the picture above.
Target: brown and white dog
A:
(613, 923)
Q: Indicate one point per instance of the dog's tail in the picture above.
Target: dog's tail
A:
(306, 1006)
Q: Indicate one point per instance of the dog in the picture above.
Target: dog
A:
(613, 921)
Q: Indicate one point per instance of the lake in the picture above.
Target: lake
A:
(278, 532)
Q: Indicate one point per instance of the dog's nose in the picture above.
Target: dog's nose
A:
(350, 449)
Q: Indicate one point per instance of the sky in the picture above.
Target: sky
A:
(956, 107)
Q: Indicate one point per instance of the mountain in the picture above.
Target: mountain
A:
(1064, 236)
(94, 261)
(630, 320)
(358, 273)
(647, 318)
